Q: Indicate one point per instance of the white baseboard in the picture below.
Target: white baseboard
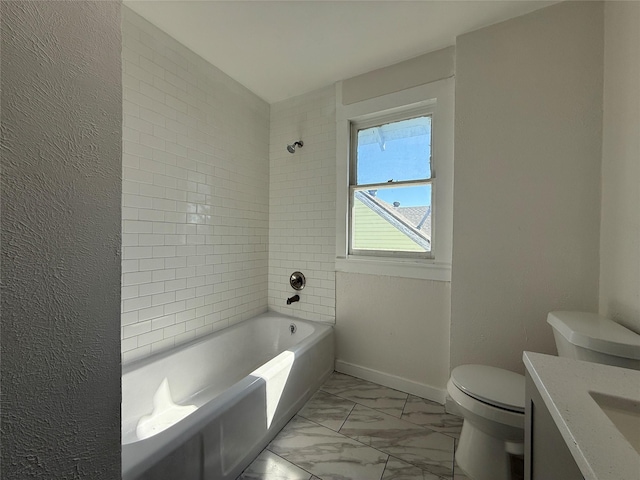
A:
(393, 381)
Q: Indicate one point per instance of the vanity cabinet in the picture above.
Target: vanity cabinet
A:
(547, 456)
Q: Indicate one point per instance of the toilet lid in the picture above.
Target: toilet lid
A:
(495, 386)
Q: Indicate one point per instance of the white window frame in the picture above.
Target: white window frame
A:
(437, 98)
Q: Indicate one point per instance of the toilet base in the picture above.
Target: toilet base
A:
(482, 456)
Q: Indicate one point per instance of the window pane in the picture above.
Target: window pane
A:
(398, 150)
(392, 219)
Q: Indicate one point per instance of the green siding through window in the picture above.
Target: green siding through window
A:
(373, 232)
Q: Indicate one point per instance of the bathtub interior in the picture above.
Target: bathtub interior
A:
(166, 413)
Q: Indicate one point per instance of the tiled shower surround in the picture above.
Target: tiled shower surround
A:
(302, 204)
(216, 213)
(195, 194)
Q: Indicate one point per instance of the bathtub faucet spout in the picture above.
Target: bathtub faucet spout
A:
(295, 298)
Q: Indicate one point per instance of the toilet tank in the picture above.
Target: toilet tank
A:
(593, 338)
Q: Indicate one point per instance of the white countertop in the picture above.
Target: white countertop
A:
(598, 448)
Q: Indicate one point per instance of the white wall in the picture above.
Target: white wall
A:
(302, 202)
(400, 76)
(527, 180)
(394, 331)
(620, 224)
(195, 194)
(61, 187)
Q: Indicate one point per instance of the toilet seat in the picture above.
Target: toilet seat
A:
(493, 386)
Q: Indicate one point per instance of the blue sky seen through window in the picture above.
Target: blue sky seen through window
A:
(400, 151)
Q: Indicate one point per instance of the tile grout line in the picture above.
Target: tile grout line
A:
(347, 417)
(406, 400)
(385, 467)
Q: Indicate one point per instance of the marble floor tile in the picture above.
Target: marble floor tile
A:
(396, 469)
(432, 415)
(327, 410)
(420, 446)
(366, 393)
(327, 454)
(269, 466)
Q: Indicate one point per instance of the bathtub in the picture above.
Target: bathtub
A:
(206, 409)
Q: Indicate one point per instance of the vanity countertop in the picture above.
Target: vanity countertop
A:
(577, 394)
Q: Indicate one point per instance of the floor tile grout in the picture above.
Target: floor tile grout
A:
(347, 417)
(406, 400)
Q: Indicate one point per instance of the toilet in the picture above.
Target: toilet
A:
(491, 400)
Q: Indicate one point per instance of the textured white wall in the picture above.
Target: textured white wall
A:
(61, 188)
(302, 203)
(527, 180)
(195, 195)
(620, 225)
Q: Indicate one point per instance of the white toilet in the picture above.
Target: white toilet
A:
(491, 400)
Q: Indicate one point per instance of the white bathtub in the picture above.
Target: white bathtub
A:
(244, 384)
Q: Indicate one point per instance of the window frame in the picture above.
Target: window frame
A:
(438, 95)
(379, 120)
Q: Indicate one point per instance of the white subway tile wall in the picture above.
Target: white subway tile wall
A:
(302, 204)
(195, 220)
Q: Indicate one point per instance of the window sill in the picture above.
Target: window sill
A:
(419, 269)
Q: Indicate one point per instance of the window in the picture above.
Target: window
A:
(390, 193)
(394, 198)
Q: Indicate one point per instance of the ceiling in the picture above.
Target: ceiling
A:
(280, 49)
